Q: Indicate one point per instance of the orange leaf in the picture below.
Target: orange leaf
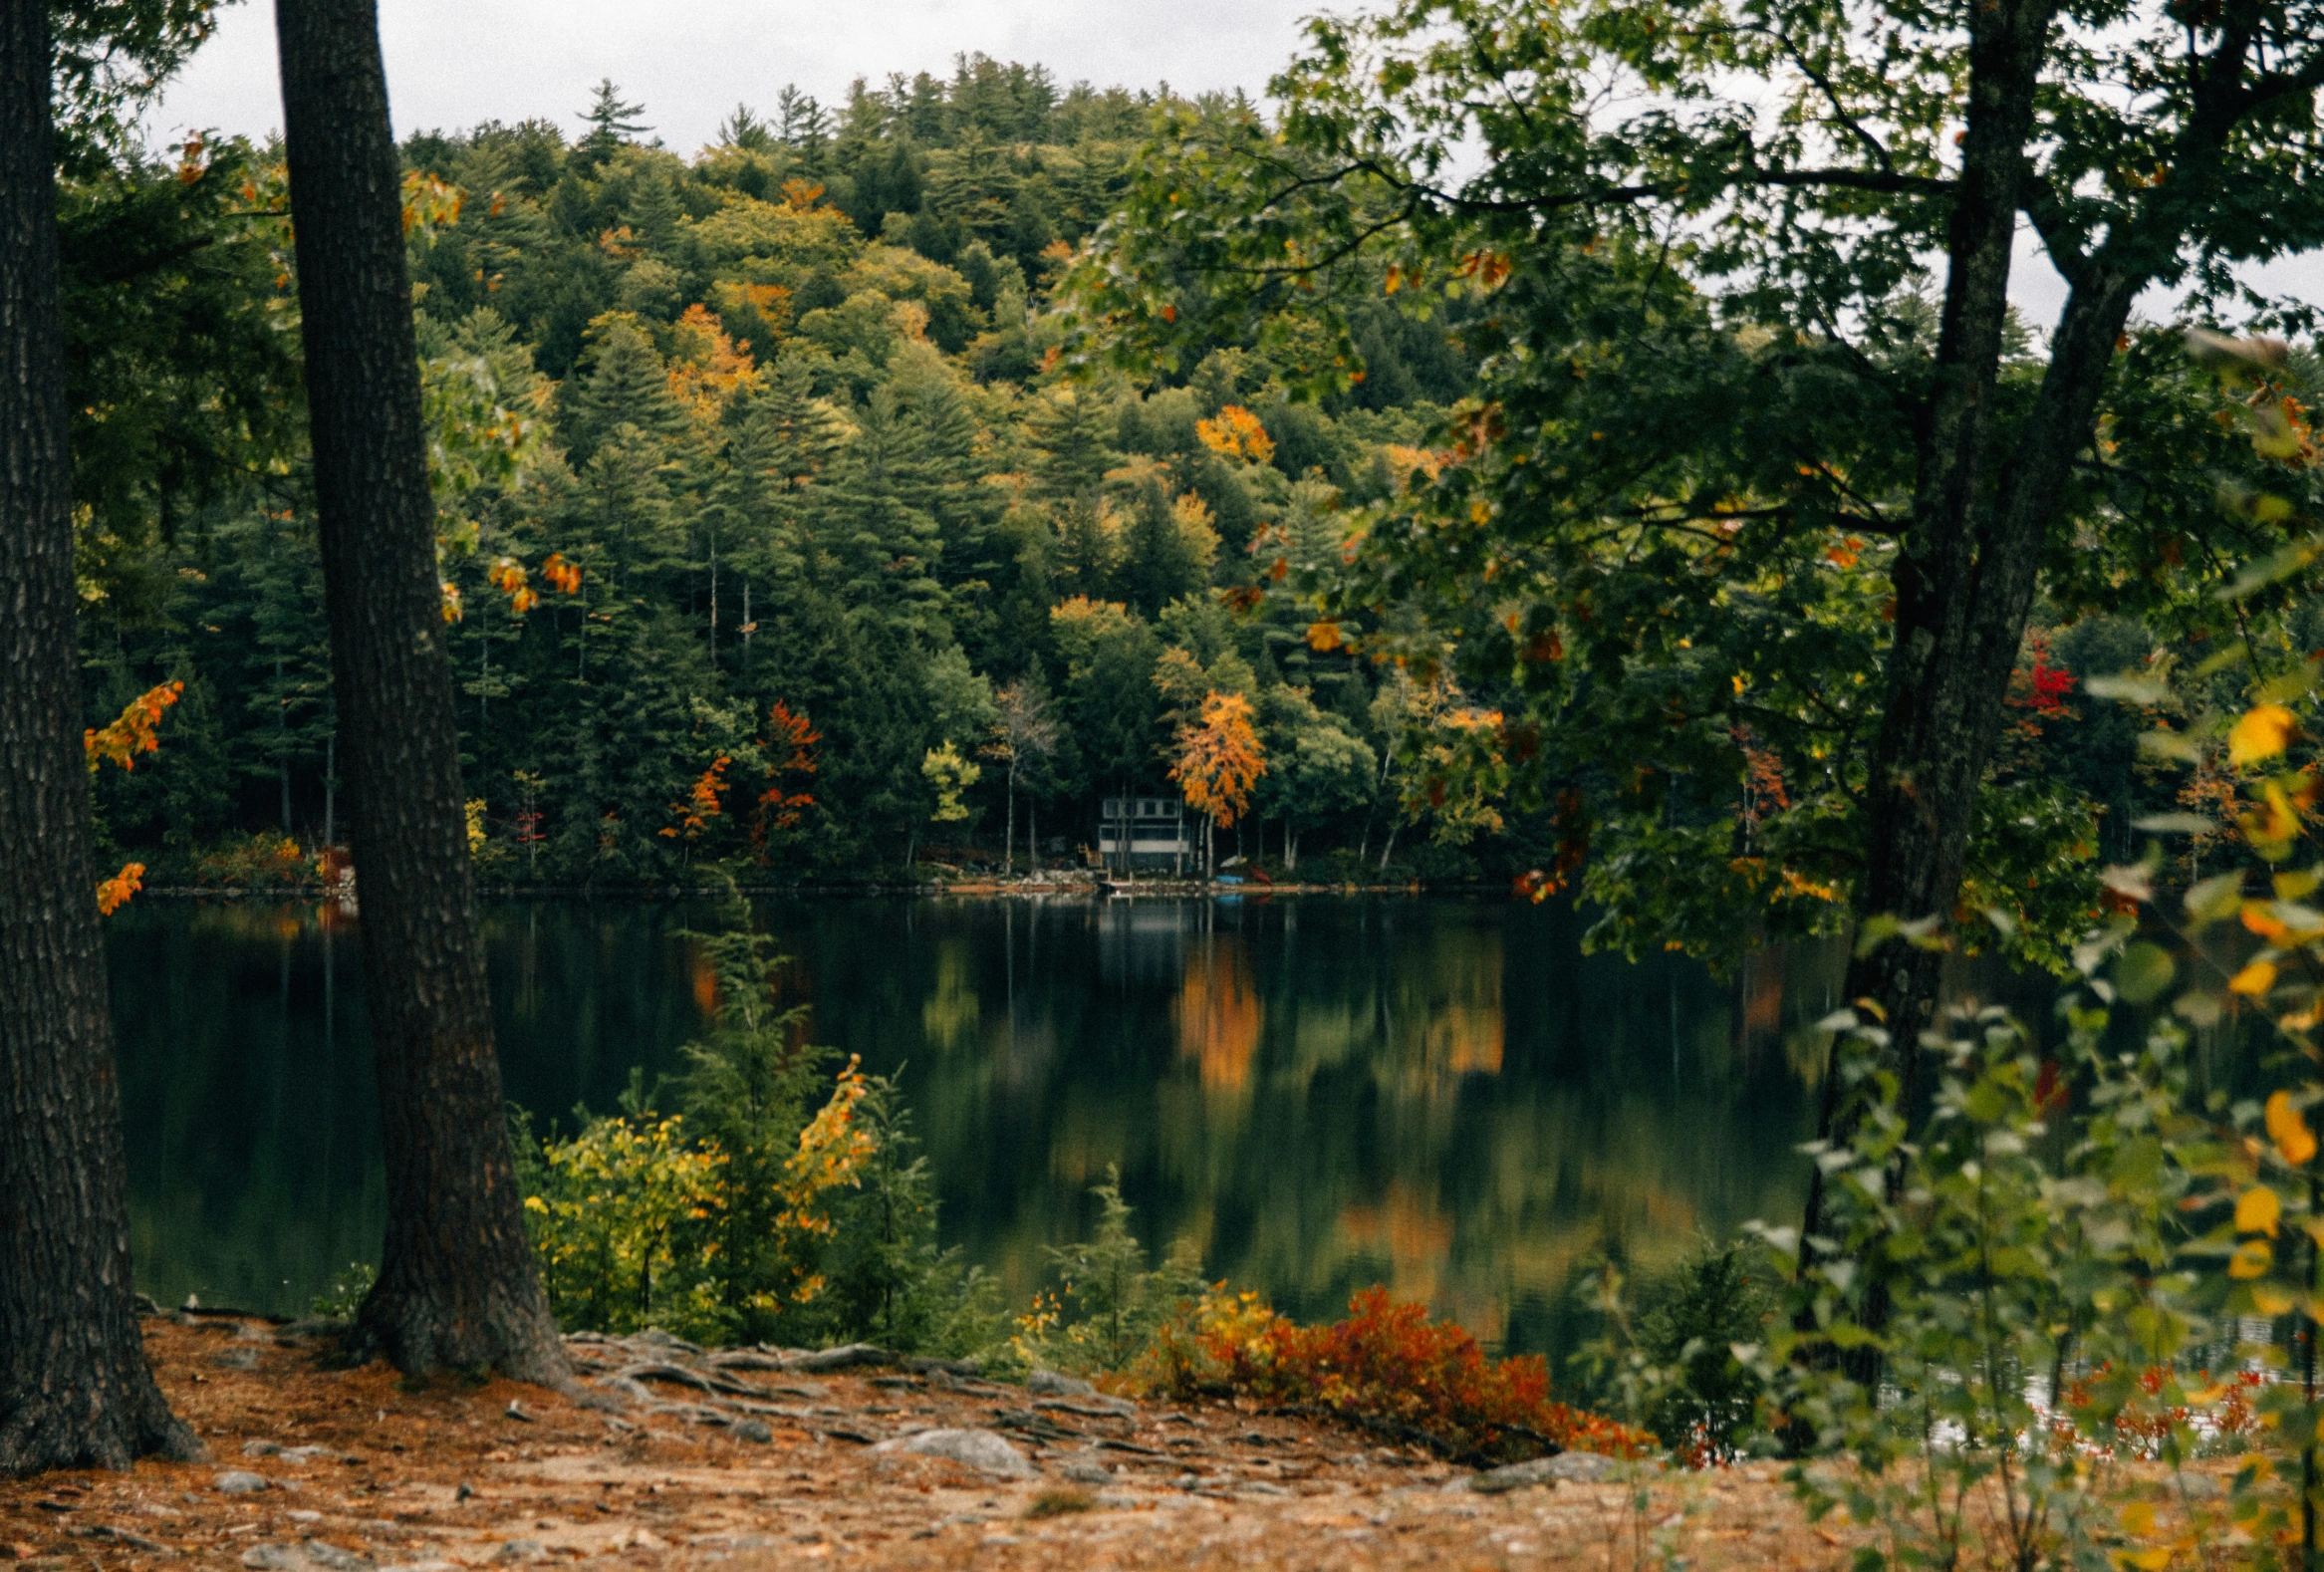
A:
(2289, 1130)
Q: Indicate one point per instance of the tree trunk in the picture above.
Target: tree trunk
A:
(75, 1388)
(1967, 577)
(457, 1282)
(1008, 856)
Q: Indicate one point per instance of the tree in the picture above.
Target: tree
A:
(610, 120)
(1219, 762)
(75, 1388)
(1719, 341)
(457, 1282)
(1024, 737)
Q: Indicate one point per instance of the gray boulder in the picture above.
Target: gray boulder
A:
(1567, 1467)
(978, 1448)
(1049, 1383)
(240, 1482)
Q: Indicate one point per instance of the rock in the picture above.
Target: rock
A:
(978, 1448)
(522, 1550)
(240, 1482)
(313, 1556)
(1567, 1467)
(261, 1448)
(841, 1358)
(1049, 1383)
(423, 1566)
(1581, 1467)
(236, 1357)
(754, 1431)
(1087, 1471)
(253, 1332)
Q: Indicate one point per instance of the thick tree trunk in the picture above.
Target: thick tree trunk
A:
(1966, 578)
(457, 1282)
(75, 1388)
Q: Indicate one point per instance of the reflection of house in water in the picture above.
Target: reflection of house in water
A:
(1152, 832)
(1144, 943)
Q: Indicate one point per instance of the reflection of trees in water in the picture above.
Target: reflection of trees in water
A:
(1444, 1097)
(1441, 1095)
(1219, 1014)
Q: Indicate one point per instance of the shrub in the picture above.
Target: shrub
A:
(257, 861)
(1108, 1307)
(1388, 1367)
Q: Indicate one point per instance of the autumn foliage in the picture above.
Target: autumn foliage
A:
(1220, 758)
(1387, 1367)
(135, 731)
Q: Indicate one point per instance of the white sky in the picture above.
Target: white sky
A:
(690, 62)
(454, 62)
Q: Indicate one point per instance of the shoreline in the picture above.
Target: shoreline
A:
(980, 889)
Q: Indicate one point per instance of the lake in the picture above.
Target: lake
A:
(1437, 1094)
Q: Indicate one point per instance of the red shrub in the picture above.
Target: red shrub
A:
(1387, 1367)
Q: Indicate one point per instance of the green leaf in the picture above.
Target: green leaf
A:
(2131, 687)
(2215, 898)
(2143, 972)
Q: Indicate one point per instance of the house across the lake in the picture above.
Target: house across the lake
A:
(1155, 832)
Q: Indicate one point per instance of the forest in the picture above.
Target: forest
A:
(1601, 446)
(770, 530)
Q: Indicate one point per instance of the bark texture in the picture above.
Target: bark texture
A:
(457, 1282)
(75, 1388)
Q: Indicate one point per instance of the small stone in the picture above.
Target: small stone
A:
(274, 1558)
(303, 1517)
(253, 1332)
(1049, 1383)
(235, 1358)
(2200, 1488)
(261, 1448)
(647, 1539)
(978, 1448)
(758, 1430)
(332, 1558)
(1088, 1472)
(240, 1482)
(522, 1550)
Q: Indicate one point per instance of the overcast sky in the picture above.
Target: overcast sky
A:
(688, 62)
(452, 62)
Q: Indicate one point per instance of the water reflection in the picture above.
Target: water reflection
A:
(1440, 1095)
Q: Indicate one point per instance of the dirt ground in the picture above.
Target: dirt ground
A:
(732, 1460)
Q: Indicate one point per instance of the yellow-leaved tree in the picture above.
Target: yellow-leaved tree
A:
(1218, 761)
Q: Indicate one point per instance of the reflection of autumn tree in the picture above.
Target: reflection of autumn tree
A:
(1219, 1016)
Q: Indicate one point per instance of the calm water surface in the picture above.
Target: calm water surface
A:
(1441, 1095)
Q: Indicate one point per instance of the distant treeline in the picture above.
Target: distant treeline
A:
(769, 530)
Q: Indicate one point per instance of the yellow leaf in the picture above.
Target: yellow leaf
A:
(2261, 734)
(2268, 1301)
(2251, 1258)
(2257, 1210)
(2139, 1518)
(2289, 1129)
(2144, 1560)
(2253, 980)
